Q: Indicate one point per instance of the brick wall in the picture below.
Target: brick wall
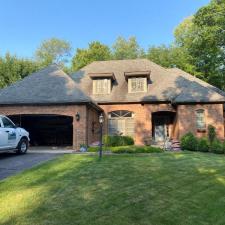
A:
(142, 117)
(184, 121)
(86, 131)
(214, 115)
(93, 126)
(81, 129)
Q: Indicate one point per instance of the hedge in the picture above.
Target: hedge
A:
(217, 147)
(117, 140)
(191, 143)
(128, 149)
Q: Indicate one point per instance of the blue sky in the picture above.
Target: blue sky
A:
(25, 23)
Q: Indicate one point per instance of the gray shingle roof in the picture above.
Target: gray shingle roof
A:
(164, 85)
(52, 86)
(47, 86)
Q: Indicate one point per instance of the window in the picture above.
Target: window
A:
(121, 122)
(7, 123)
(101, 86)
(137, 84)
(200, 119)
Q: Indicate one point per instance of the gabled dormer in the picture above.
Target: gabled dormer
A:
(137, 81)
(101, 83)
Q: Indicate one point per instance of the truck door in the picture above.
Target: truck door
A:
(10, 130)
(3, 136)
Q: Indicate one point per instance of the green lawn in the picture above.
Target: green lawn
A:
(163, 188)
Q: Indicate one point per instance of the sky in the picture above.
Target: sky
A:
(24, 24)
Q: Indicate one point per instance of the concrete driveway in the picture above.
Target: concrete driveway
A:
(11, 164)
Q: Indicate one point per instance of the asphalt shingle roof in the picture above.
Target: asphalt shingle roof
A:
(49, 85)
(164, 85)
(52, 86)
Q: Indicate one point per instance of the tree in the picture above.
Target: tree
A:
(13, 68)
(53, 51)
(204, 39)
(96, 51)
(127, 49)
(171, 56)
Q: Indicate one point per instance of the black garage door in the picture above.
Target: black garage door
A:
(47, 130)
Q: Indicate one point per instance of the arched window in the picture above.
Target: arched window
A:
(121, 122)
(200, 119)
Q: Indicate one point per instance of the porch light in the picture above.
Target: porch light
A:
(101, 119)
(77, 116)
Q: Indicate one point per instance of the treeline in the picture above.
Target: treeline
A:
(198, 48)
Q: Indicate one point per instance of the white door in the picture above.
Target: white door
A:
(160, 129)
(3, 136)
(9, 130)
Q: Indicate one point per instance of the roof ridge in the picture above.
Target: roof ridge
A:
(114, 60)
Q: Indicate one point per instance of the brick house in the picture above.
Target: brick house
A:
(138, 98)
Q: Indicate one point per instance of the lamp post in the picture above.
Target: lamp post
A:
(101, 121)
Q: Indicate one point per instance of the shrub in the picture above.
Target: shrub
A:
(117, 140)
(211, 133)
(217, 147)
(136, 149)
(128, 149)
(93, 149)
(203, 145)
(189, 142)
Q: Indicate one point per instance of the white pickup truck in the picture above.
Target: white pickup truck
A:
(12, 138)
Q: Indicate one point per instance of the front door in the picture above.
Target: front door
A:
(160, 128)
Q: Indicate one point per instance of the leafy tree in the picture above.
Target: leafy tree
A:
(96, 51)
(204, 39)
(171, 56)
(13, 68)
(53, 51)
(127, 49)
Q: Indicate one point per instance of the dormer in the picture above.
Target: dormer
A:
(101, 83)
(137, 81)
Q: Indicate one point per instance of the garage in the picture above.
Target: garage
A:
(50, 105)
(46, 130)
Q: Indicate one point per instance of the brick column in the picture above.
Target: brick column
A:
(79, 128)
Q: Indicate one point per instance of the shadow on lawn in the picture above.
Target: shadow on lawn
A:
(154, 189)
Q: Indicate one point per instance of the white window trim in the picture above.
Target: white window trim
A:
(145, 85)
(202, 111)
(108, 89)
(121, 120)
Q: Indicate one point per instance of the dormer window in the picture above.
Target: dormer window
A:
(101, 86)
(137, 81)
(137, 84)
(102, 82)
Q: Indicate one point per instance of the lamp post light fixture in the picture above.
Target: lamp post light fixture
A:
(77, 116)
(101, 121)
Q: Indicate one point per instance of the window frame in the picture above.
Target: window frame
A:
(107, 87)
(200, 118)
(121, 119)
(137, 79)
(7, 119)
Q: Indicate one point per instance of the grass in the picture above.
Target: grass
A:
(167, 188)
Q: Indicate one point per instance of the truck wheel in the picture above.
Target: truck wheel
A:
(22, 146)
